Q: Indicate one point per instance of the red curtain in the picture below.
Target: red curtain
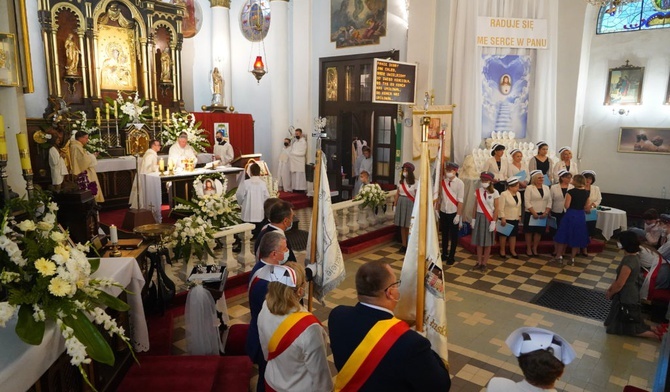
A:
(240, 127)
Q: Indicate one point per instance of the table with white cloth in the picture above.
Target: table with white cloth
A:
(611, 220)
(153, 185)
(22, 364)
(127, 162)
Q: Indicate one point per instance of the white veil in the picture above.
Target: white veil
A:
(202, 325)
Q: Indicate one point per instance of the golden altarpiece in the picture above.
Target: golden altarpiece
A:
(95, 49)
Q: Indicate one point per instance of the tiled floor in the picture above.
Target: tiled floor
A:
(484, 308)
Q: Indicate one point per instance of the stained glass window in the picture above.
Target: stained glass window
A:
(639, 15)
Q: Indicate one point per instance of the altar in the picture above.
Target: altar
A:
(21, 364)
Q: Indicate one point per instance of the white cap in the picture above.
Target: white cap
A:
(278, 273)
(535, 172)
(512, 181)
(564, 148)
(528, 339)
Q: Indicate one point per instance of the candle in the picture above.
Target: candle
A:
(107, 111)
(167, 116)
(113, 234)
(24, 150)
(98, 119)
(160, 111)
(170, 164)
(116, 111)
(153, 109)
(161, 165)
(3, 142)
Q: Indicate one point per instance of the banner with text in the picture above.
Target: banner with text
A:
(512, 32)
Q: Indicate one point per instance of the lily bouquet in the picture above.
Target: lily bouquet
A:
(372, 195)
(131, 109)
(47, 280)
(185, 123)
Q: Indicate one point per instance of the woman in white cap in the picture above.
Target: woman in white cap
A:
(542, 357)
(292, 339)
(558, 192)
(595, 198)
(541, 161)
(566, 163)
(517, 168)
(498, 166)
(485, 212)
(404, 202)
(510, 212)
(537, 205)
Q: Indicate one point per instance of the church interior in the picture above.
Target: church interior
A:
(131, 125)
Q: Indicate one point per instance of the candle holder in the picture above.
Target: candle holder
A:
(28, 176)
(115, 252)
(4, 176)
(161, 171)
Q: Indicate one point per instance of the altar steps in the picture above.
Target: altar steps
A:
(299, 200)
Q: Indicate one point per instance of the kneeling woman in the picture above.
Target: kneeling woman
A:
(293, 340)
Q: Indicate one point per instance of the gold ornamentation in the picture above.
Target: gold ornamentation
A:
(72, 56)
(220, 3)
(117, 56)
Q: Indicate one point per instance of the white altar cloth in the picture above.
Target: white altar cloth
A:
(22, 364)
(128, 162)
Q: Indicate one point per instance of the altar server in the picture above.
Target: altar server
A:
(297, 153)
(251, 195)
(284, 167)
(223, 150)
(148, 164)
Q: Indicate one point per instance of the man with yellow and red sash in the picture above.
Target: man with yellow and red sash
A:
(374, 351)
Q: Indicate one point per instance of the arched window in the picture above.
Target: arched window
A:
(639, 15)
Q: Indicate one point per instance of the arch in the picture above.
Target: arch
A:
(70, 7)
(635, 16)
(169, 27)
(134, 13)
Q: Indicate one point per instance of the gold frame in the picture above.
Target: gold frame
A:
(121, 39)
(24, 47)
(631, 73)
(9, 60)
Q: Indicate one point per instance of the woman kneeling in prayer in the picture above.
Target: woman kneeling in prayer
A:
(293, 340)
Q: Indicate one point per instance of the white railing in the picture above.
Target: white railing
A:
(352, 220)
(226, 238)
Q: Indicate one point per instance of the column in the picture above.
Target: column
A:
(277, 63)
(221, 51)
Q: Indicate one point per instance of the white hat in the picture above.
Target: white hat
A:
(514, 151)
(541, 143)
(535, 172)
(564, 148)
(528, 339)
(563, 172)
(512, 181)
(278, 273)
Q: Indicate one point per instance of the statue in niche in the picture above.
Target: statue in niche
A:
(217, 87)
(166, 74)
(71, 55)
(114, 14)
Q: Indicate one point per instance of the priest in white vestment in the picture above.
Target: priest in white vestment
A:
(223, 150)
(148, 164)
(297, 162)
(57, 164)
(284, 168)
(180, 151)
(84, 161)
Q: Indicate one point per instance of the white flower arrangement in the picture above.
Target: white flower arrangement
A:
(185, 123)
(131, 108)
(193, 235)
(47, 279)
(372, 195)
(320, 123)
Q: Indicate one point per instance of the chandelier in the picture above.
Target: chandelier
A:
(611, 3)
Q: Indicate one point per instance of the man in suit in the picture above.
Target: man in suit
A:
(400, 359)
(281, 220)
(272, 250)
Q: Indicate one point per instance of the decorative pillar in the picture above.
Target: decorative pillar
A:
(221, 47)
(277, 63)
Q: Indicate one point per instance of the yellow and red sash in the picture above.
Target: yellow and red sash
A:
(288, 331)
(365, 358)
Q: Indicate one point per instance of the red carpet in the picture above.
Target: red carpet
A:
(299, 200)
(367, 240)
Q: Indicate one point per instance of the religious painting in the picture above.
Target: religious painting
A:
(223, 127)
(439, 129)
(209, 187)
(9, 71)
(116, 56)
(624, 85)
(331, 84)
(505, 85)
(644, 140)
(192, 17)
(357, 22)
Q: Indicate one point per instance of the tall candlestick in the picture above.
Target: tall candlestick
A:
(161, 165)
(24, 151)
(160, 111)
(116, 111)
(113, 234)
(3, 142)
(167, 116)
(153, 109)
(107, 111)
(98, 119)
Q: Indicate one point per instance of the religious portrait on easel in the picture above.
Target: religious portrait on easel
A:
(439, 128)
(116, 56)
